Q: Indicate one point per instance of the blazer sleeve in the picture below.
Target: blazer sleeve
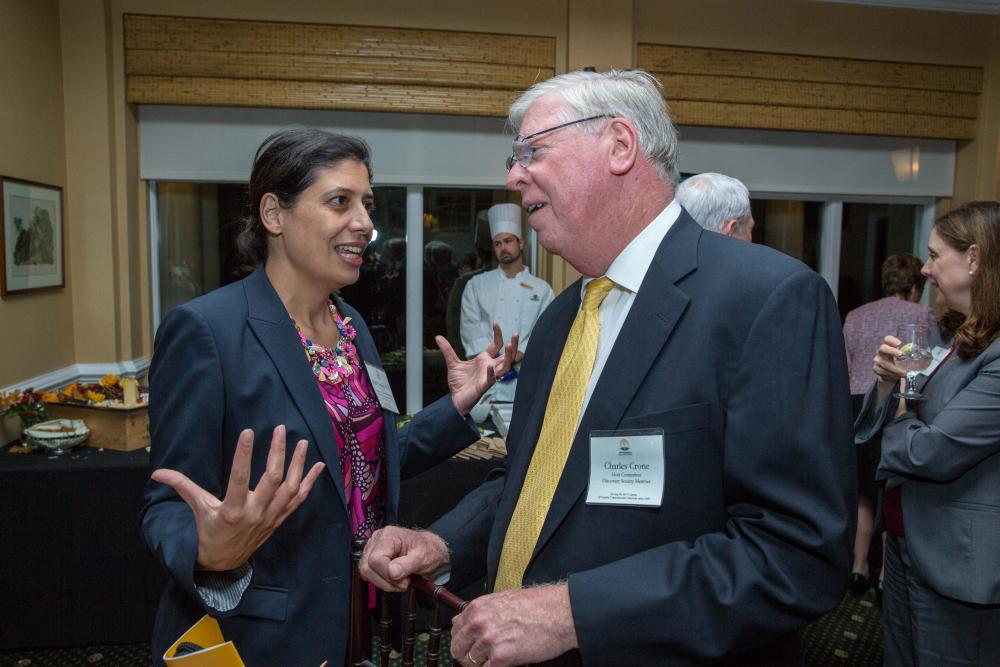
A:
(961, 436)
(434, 434)
(186, 412)
(466, 531)
(783, 556)
(872, 417)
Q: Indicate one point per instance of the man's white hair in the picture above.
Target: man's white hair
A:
(631, 94)
(712, 199)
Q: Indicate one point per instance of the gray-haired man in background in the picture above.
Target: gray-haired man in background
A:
(718, 203)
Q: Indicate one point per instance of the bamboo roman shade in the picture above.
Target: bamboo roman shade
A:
(747, 89)
(193, 61)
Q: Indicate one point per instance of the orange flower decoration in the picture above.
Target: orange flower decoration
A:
(93, 396)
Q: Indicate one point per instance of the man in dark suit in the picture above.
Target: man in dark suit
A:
(706, 375)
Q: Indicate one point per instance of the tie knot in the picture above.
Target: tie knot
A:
(596, 290)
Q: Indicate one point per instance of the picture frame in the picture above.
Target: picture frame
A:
(31, 236)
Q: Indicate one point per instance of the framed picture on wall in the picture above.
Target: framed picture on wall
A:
(31, 242)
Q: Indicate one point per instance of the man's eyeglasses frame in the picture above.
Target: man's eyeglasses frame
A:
(523, 152)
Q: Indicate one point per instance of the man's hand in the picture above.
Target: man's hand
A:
(393, 554)
(231, 529)
(515, 627)
(469, 380)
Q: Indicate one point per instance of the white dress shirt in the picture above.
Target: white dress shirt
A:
(627, 271)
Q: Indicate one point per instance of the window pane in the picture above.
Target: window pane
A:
(380, 293)
(870, 233)
(189, 231)
(456, 242)
(789, 226)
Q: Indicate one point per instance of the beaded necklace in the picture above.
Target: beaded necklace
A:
(331, 366)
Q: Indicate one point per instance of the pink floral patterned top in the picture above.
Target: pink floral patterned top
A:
(356, 417)
(357, 424)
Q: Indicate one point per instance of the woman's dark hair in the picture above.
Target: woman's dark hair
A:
(977, 223)
(900, 274)
(285, 165)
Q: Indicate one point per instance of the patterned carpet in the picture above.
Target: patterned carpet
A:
(849, 636)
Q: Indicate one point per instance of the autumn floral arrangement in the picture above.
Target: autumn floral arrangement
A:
(29, 405)
(109, 389)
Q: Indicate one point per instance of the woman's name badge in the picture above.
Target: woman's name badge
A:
(380, 382)
(626, 468)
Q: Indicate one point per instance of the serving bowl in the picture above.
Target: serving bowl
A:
(57, 435)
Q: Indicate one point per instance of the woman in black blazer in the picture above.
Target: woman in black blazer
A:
(256, 538)
(940, 462)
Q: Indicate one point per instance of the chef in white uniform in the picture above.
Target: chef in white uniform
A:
(508, 295)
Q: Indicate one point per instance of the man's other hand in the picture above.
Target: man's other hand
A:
(393, 554)
(514, 627)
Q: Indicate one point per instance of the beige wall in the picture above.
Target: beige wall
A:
(65, 121)
(977, 172)
(110, 308)
(36, 328)
(817, 28)
(852, 31)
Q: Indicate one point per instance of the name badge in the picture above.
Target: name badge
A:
(626, 468)
(380, 381)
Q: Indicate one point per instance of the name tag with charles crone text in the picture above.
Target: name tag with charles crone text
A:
(626, 468)
(380, 381)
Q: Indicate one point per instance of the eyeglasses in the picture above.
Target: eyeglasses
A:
(522, 151)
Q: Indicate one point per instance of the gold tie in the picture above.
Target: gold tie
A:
(561, 415)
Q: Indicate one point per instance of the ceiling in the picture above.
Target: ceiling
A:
(968, 6)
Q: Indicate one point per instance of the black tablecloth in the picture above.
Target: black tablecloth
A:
(73, 568)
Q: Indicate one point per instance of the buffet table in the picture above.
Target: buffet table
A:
(73, 569)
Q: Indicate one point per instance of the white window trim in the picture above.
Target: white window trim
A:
(414, 298)
(831, 224)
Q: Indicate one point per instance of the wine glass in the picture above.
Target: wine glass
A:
(915, 356)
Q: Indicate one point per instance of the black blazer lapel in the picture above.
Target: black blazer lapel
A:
(657, 308)
(274, 329)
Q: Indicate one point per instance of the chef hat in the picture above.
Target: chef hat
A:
(505, 219)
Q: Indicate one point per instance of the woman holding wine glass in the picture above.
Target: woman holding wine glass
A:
(941, 460)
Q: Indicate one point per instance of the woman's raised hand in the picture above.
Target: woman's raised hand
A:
(231, 529)
(468, 380)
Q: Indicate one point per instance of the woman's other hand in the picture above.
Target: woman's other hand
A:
(889, 373)
(231, 529)
(469, 380)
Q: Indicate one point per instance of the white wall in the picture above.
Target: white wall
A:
(217, 144)
(822, 164)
